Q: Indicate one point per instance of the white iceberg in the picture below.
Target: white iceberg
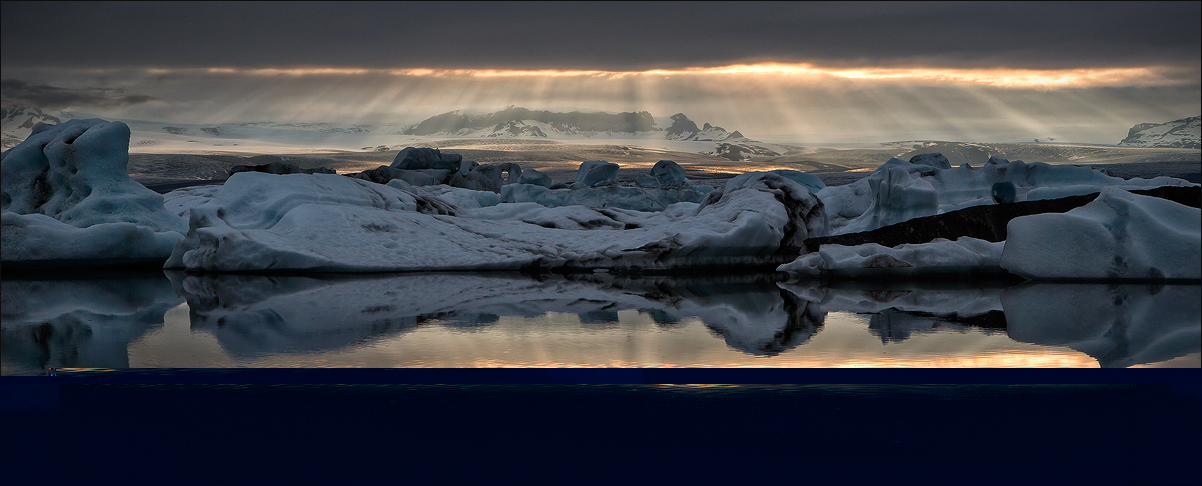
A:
(318, 222)
(67, 196)
(1117, 236)
(927, 185)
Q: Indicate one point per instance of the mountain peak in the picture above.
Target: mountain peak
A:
(1183, 133)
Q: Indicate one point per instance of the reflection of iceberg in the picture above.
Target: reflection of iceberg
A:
(918, 297)
(1120, 326)
(255, 314)
(901, 309)
(80, 323)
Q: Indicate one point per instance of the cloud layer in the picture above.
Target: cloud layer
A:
(15, 91)
(598, 35)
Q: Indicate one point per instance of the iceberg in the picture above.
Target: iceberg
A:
(67, 197)
(328, 223)
(1117, 236)
(595, 172)
(927, 185)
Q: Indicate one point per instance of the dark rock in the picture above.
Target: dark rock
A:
(682, 126)
(277, 167)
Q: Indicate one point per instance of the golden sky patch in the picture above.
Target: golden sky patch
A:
(997, 77)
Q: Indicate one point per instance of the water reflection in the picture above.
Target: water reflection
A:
(1119, 325)
(252, 314)
(469, 320)
(78, 322)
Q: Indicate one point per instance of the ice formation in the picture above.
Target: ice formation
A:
(68, 200)
(595, 172)
(1118, 235)
(927, 185)
(261, 222)
(964, 256)
(68, 197)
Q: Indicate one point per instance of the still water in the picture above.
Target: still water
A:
(462, 320)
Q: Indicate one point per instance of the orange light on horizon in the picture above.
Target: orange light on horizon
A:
(996, 77)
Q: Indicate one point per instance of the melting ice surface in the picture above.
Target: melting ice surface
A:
(509, 320)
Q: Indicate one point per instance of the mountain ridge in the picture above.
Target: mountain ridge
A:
(1182, 133)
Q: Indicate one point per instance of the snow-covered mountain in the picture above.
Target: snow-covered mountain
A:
(1183, 133)
(685, 129)
(516, 122)
(510, 123)
(522, 122)
(18, 121)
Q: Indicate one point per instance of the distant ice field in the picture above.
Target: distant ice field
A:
(163, 158)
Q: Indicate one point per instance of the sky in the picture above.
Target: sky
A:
(789, 71)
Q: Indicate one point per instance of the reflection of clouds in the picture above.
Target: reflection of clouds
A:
(79, 323)
(1119, 325)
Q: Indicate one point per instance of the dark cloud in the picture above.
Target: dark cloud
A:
(17, 92)
(599, 35)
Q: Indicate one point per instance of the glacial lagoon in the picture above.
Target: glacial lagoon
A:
(158, 319)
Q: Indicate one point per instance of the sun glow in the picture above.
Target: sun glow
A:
(997, 77)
